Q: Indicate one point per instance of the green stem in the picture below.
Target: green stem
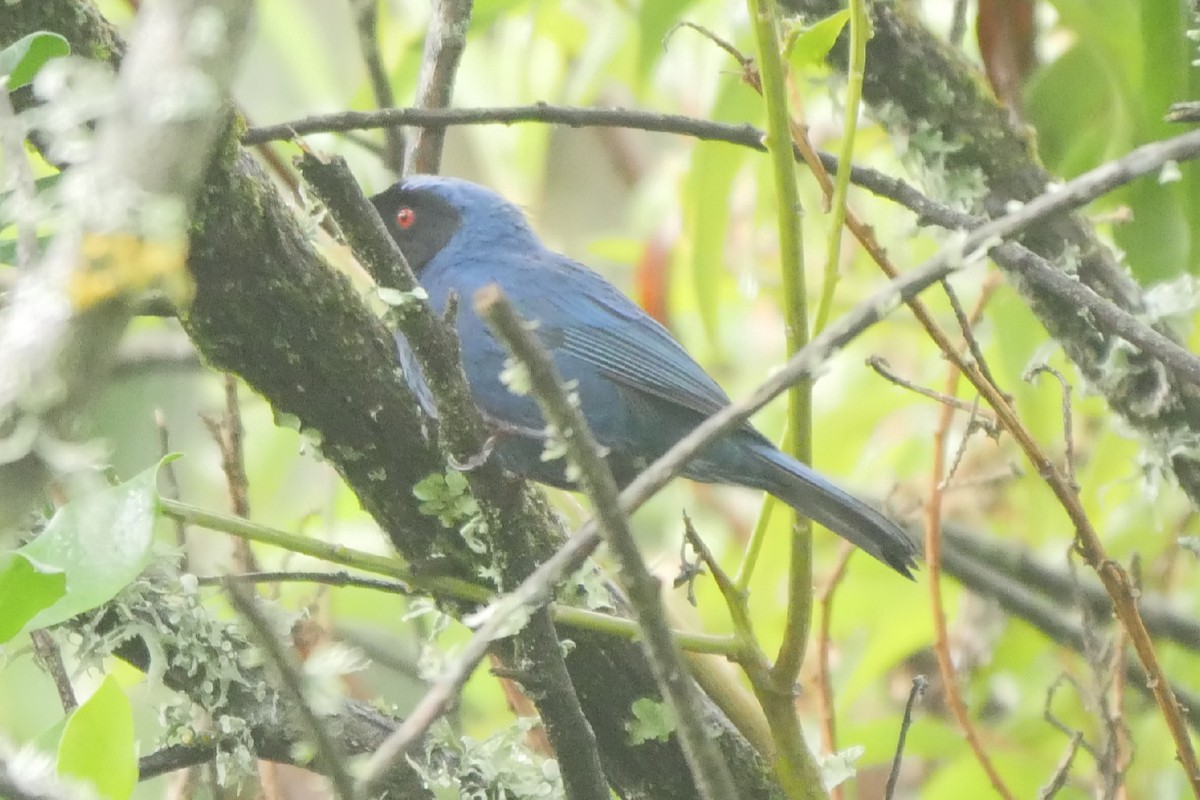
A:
(794, 762)
(779, 146)
(389, 566)
(859, 33)
(443, 586)
(754, 547)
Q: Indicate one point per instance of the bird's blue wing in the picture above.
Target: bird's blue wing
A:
(610, 332)
(584, 321)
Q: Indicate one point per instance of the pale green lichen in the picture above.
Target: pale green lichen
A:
(515, 377)
(500, 766)
(651, 720)
(183, 639)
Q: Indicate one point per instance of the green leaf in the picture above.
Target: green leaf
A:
(22, 59)
(812, 45)
(706, 213)
(97, 745)
(26, 587)
(100, 541)
(1077, 107)
(485, 13)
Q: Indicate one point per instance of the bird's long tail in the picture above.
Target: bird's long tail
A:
(819, 499)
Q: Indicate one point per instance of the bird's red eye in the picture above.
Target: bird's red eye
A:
(405, 218)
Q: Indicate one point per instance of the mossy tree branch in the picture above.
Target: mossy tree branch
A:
(270, 309)
(915, 81)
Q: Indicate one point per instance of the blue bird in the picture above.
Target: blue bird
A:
(640, 390)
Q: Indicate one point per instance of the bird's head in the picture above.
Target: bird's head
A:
(425, 213)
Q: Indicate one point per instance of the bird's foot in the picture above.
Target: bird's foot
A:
(478, 460)
(500, 430)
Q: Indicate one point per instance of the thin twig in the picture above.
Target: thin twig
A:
(172, 480)
(338, 579)
(933, 556)
(1068, 426)
(1118, 730)
(966, 326)
(228, 434)
(1105, 676)
(366, 18)
(1063, 771)
(291, 676)
(1107, 316)
(1044, 612)
(443, 586)
(575, 117)
(824, 677)
(50, 658)
(444, 44)
(919, 685)
(1052, 719)
(884, 370)
(941, 637)
(584, 453)
(961, 450)
(743, 60)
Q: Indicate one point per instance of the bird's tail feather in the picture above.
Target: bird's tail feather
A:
(822, 501)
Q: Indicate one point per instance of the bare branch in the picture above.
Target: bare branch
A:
(584, 453)
(443, 48)
(366, 17)
(919, 685)
(1016, 258)
(51, 660)
(329, 755)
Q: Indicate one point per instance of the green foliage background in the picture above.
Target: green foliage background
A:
(617, 199)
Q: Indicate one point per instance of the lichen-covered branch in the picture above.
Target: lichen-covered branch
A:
(268, 308)
(916, 82)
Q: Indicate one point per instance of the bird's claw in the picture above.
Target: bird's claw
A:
(476, 461)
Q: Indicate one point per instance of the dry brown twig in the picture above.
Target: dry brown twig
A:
(933, 566)
(824, 678)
